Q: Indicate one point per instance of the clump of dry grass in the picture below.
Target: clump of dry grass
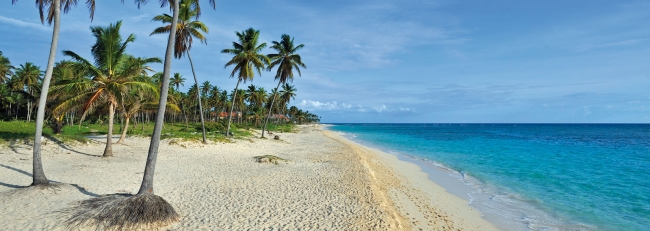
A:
(269, 159)
(122, 212)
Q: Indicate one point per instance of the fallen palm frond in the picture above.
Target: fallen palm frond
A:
(122, 212)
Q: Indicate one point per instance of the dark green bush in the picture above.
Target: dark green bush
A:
(212, 127)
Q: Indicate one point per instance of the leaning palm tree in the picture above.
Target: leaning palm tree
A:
(111, 76)
(144, 208)
(53, 7)
(246, 56)
(287, 60)
(186, 31)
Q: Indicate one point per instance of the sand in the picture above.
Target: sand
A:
(328, 183)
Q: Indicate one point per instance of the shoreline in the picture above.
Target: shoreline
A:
(504, 209)
(415, 196)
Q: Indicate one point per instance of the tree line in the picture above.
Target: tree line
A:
(113, 81)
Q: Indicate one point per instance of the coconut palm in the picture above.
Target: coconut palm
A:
(286, 60)
(63, 71)
(186, 31)
(213, 100)
(287, 93)
(146, 188)
(178, 80)
(25, 81)
(53, 7)
(5, 68)
(116, 211)
(251, 96)
(110, 77)
(246, 57)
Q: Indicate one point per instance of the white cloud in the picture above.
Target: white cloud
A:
(332, 106)
(22, 23)
(326, 106)
(379, 108)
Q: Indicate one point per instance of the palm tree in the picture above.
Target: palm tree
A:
(178, 80)
(287, 93)
(251, 95)
(54, 16)
(287, 60)
(5, 68)
(152, 210)
(147, 180)
(186, 31)
(63, 71)
(25, 81)
(213, 99)
(111, 76)
(246, 56)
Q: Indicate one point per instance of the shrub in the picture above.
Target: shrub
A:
(212, 127)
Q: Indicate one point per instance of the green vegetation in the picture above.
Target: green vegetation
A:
(23, 130)
(10, 131)
(89, 96)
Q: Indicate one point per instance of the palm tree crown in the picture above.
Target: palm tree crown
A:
(110, 77)
(286, 59)
(5, 68)
(26, 77)
(247, 55)
(186, 29)
(178, 80)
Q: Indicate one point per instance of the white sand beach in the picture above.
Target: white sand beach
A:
(328, 183)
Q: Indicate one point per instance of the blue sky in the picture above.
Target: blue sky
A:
(406, 61)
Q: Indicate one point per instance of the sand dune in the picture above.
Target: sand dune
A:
(327, 183)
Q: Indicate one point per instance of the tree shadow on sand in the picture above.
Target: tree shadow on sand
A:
(62, 145)
(81, 189)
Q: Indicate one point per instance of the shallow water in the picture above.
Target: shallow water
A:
(532, 176)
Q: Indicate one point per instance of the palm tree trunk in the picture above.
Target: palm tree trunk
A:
(270, 109)
(29, 107)
(198, 96)
(232, 107)
(108, 151)
(147, 180)
(126, 128)
(38, 175)
(187, 126)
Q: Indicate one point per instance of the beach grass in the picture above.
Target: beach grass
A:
(10, 131)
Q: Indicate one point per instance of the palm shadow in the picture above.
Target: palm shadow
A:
(62, 145)
(81, 189)
(12, 146)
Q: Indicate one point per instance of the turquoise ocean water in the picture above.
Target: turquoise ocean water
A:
(534, 176)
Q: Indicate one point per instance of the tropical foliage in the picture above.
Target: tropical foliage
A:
(114, 82)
